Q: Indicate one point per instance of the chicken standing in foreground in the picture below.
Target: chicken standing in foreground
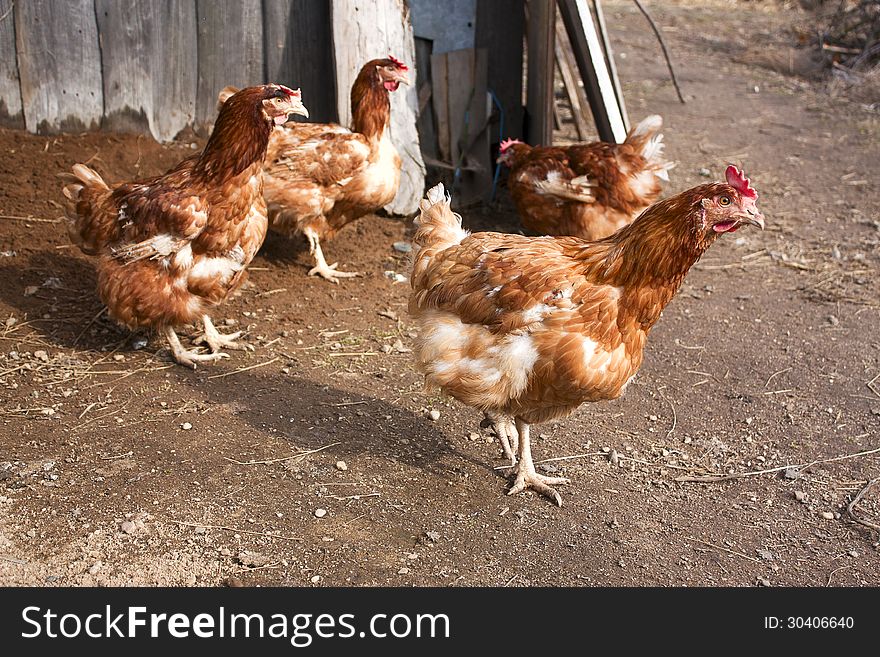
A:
(321, 177)
(586, 190)
(531, 328)
(172, 246)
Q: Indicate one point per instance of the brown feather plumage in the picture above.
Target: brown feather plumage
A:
(587, 190)
(173, 245)
(532, 327)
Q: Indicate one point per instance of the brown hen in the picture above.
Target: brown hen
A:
(529, 328)
(321, 177)
(173, 246)
(586, 190)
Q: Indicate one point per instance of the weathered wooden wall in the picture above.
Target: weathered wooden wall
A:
(149, 63)
(230, 50)
(10, 88)
(298, 42)
(368, 29)
(59, 64)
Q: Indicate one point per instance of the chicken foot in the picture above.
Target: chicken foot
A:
(187, 356)
(217, 341)
(506, 432)
(321, 267)
(526, 477)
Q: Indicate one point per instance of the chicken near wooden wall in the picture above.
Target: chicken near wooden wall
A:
(321, 177)
(527, 329)
(171, 247)
(586, 190)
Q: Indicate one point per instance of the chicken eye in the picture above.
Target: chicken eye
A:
(724, 201)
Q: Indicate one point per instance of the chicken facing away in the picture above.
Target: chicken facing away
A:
(529, 328)
(173, 246)
(321, 177)
(586, 190)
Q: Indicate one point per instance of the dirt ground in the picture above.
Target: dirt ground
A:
(118, 467)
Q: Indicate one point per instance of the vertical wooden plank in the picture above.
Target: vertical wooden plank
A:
(230, 47)
(593, 68)
(426, 122)
(10, 88)
(568, 70)
(539, 94)
(476, 180)
(299, 52)
(364, 30)
(460, 89)
(609, 57)
(500, 29)
(440, 93)
(149, 63)
(59, 63)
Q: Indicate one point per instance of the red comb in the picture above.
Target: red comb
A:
(399, 64)
(507, 143)
(289, 91)
(739, 182)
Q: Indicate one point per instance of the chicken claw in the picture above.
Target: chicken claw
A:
(217, 341)
(188, 357)
(506, 432)
(329, 272)
(321, 267)
(526, 477)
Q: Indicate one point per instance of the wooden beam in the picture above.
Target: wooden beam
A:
(11, 115)
(568, 70)
(539, 95)
(299, 52)
(593, 68)
(59, 63)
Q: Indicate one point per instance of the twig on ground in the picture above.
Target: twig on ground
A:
(243, 369)
(39, 220)
(12, 560)
(283, 458)
(711, 478)
(851, 506)
(86, 327)
(663, 48)
(354, 497)
(233, 529)
(674, 416)
(831, 574)
(118, 456)
(718, 547)
(775, 374)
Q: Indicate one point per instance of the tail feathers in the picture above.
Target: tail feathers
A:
(224, 95)
(83, 192)
(647, 139)
(438, 226)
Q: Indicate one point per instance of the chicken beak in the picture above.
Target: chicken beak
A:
(753, 218)
(401, 77)
(296, 107)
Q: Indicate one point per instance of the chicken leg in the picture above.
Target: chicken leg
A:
(526, 477)
(217, 341)
(321, 267)
(506, 432)
(186, 356)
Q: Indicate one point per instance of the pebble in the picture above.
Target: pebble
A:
(403, 571)
(853, 553)
(94, 569)
(705, 172)
(434, 415)
(341, 465)
(828, 515)
(315, 579)
(39, 354)
(800, 496)
(320, 513)
(229, 321)
(403, 247)
(763, 581)
(127, 527)
(119, 357)
(473, 435)
(186, 426)
(400, 348)
(139, 343)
